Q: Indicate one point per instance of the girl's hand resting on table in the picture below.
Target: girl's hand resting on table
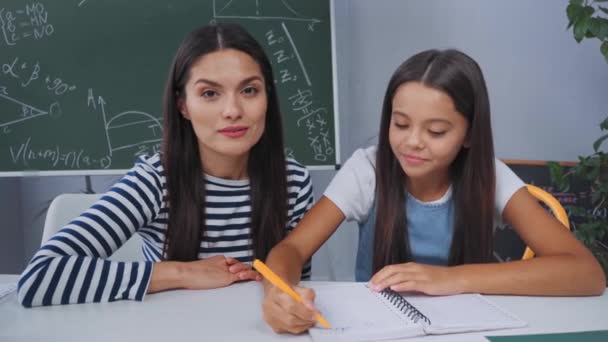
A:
(411, 276)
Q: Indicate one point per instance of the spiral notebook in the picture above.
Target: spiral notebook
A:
(357, 313)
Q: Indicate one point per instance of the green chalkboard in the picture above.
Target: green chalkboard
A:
(81, 80)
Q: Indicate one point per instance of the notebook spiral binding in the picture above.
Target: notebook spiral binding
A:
(404, 306)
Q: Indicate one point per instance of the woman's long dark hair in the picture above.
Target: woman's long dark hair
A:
(181, 160)
(472, 172)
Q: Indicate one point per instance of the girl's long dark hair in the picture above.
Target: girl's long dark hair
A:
(472, 172)
(183, 166)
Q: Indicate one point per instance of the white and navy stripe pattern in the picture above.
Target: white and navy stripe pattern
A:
(71, 266)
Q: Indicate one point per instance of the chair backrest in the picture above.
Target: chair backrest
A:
(67, 207)
(553, 204)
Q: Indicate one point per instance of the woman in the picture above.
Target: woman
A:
(220, 194)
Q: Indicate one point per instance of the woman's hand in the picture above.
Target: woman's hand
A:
(432, 280)
(284, 314)
(210, 273)
(216, 271)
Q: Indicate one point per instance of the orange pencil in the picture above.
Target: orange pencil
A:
(278, 282)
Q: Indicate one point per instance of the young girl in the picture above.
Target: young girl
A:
(221, 192)
(426, 200)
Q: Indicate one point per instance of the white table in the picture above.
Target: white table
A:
(234, 314)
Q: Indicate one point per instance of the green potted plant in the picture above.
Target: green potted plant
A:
(590, 224)
(588, 19)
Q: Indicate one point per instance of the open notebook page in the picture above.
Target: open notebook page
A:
(459, 313)
(355, 313)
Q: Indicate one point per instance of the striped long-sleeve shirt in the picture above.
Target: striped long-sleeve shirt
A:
(72, 267)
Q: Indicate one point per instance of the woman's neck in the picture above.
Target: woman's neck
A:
(225, 167)
(429, 188)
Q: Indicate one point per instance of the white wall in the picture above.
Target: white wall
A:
(548, 95)
(336, 258)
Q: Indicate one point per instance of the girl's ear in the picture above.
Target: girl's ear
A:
(182, 108)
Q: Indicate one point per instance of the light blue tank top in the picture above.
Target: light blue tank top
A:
(430, 229)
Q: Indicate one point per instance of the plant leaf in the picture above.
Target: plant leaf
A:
(594, 28)
(578, 169)
(598, 142)
(580, 29)
(604, 50)
(604, 124)
(557, 175)
(588, 11)
(603, 32)
(579, 235)
(593, 173)
(574, 211)
(573, 11)
(594, 226)
(590, 231)
(598, 27)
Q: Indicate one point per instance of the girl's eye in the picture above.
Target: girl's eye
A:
(402, 126)
(437, 133)
(209, 93)
(250, 91)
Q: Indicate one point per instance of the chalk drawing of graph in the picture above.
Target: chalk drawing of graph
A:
(132, 129)
(16, 111)
(257, 10)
